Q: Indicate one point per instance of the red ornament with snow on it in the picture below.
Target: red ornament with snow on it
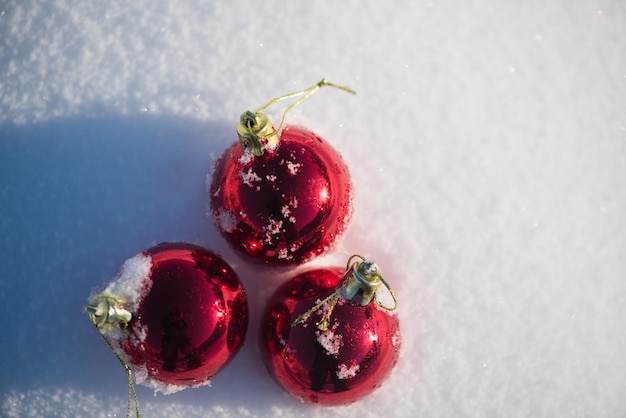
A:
(178, 312)
(327, 338)
(280, 196)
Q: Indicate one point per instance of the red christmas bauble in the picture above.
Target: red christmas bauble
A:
(334, 353)
(188, 315)
(285, 206)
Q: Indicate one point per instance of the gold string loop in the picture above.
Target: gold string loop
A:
(362, 277)
(255, 130)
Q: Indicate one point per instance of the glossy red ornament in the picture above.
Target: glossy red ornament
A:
(186, 315)
(286, 206)
(280, 196)
(326, 339)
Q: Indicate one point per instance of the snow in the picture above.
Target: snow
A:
(226, 220)
(142, 377)
(246, 157)
(293, 168)
(133, 282)
(250, 178)
(330, 340)
(487, 148)
(347, 372)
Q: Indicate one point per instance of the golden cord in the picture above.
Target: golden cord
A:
(306, 93)
(112, 314)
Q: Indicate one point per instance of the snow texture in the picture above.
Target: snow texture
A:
(142, 377)
(330, 340)
(348, 372)
(486, 144)
(226, 220)
(132, 283)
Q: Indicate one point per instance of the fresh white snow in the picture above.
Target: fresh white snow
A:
(487, 148)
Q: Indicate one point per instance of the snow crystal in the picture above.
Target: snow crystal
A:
(273, 227)
(287, 214)
(293, 167)
(138, 336)
(283, 253)
(246, 157)
(348, 372)
(330, 341)
(249, 178)
(395, 340)
(271, 146)
(226, 221)
(286, 209)
(132, 282)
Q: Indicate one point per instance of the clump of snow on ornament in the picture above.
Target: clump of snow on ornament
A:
(132, 281)
(226, 220)
(348, 372)
(330, 340)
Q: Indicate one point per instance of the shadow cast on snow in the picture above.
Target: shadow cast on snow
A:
(78, 197)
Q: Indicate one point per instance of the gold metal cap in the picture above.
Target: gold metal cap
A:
(255, 131)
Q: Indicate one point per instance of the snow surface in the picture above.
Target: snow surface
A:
(486, 143)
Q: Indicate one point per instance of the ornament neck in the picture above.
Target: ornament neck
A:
(106, 310)
(255, 130)
(362, 277)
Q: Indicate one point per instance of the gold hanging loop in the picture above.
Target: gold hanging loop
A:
(255, 130)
